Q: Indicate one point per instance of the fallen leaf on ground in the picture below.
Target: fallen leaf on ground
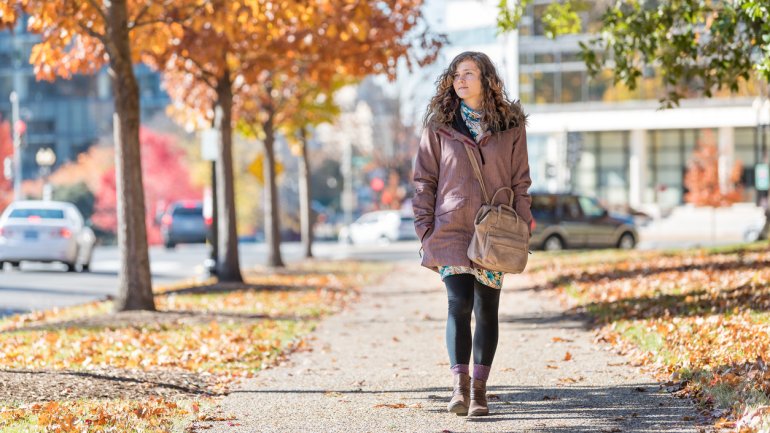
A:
(391, 405)
(565, 380)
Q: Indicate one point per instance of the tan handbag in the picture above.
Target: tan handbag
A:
(500, 237)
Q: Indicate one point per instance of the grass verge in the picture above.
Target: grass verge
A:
(86, 369)
(699, 318)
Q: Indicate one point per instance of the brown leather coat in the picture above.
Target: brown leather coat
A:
(447, 194)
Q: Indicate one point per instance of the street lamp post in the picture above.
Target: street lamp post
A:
(46, 158)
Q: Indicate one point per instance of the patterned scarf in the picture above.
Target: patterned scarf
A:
(472, 119)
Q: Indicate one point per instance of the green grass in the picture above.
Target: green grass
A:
(644, 338)
(27, 425)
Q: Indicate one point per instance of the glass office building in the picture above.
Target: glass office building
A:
(65, 115)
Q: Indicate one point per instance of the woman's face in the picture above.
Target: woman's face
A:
(467, 83)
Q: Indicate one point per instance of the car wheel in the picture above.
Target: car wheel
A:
(2, 266)
(85, 267)
(627, 242)
(15, 265)
(70, 267)
(170, 245)
(553, 243)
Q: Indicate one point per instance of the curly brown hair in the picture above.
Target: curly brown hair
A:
(499, 112)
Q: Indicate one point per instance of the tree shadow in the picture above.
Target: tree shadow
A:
(638, 407)
(755, 297)
(46, 385)
(161, 318)
(646, 271)
(218, 288)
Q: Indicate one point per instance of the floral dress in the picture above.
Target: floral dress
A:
(492, 279)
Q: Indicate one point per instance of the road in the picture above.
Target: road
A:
(42, 286)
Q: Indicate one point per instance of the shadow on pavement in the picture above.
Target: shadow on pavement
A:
(631, 408)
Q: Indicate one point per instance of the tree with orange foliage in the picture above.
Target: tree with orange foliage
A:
(81, 36)
(310, 106)
(702, 179)
(233, 49)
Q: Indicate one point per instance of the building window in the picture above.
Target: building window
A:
(544, 87)
(668, 154)
(748, 148)
(667, 169)
(572, 86)
(613, 168)
(525, 88)
(587, 180)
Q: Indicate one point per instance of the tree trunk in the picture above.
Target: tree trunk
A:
(228, 268)
(305, 211)
(135, 286)
(272, 222)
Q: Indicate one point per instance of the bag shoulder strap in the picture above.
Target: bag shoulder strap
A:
(505, 188)
(477, 170)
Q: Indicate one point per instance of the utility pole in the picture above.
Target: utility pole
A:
(347, 180)
(17, 175)
(209, 148)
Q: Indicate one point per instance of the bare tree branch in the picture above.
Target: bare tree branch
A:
(139, 16)
(204, 74)
(91, 32)
(184, 11)
(98, 9)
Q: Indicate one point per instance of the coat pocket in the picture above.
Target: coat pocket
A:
(449, 204)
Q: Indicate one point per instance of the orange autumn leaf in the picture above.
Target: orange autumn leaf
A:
(391, 405)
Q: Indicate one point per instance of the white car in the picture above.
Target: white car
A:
(45, 231)
(379, 227)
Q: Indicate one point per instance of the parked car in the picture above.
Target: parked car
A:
(379, 226)
(406, 228)
(183, 223)
(45, 231)
(576, 221)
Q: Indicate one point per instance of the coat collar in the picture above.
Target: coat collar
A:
(451, 132)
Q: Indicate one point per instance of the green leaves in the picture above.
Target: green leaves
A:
(562, 18)
(697, 47)
(510, 15)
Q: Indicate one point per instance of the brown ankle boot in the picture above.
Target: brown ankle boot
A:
(460, 394)
(478, 405)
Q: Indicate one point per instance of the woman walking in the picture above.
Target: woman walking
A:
(471, 109)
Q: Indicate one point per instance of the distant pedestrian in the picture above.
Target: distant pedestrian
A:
(470, 108)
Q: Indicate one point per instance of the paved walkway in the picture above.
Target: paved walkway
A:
(382, 367)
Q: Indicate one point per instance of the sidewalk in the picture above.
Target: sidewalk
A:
(382, 367)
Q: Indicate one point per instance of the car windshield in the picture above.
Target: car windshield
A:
(590, 207)
(188, 211)
(37, 213)
(543, 206)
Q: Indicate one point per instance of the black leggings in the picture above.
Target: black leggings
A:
(466, 296)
